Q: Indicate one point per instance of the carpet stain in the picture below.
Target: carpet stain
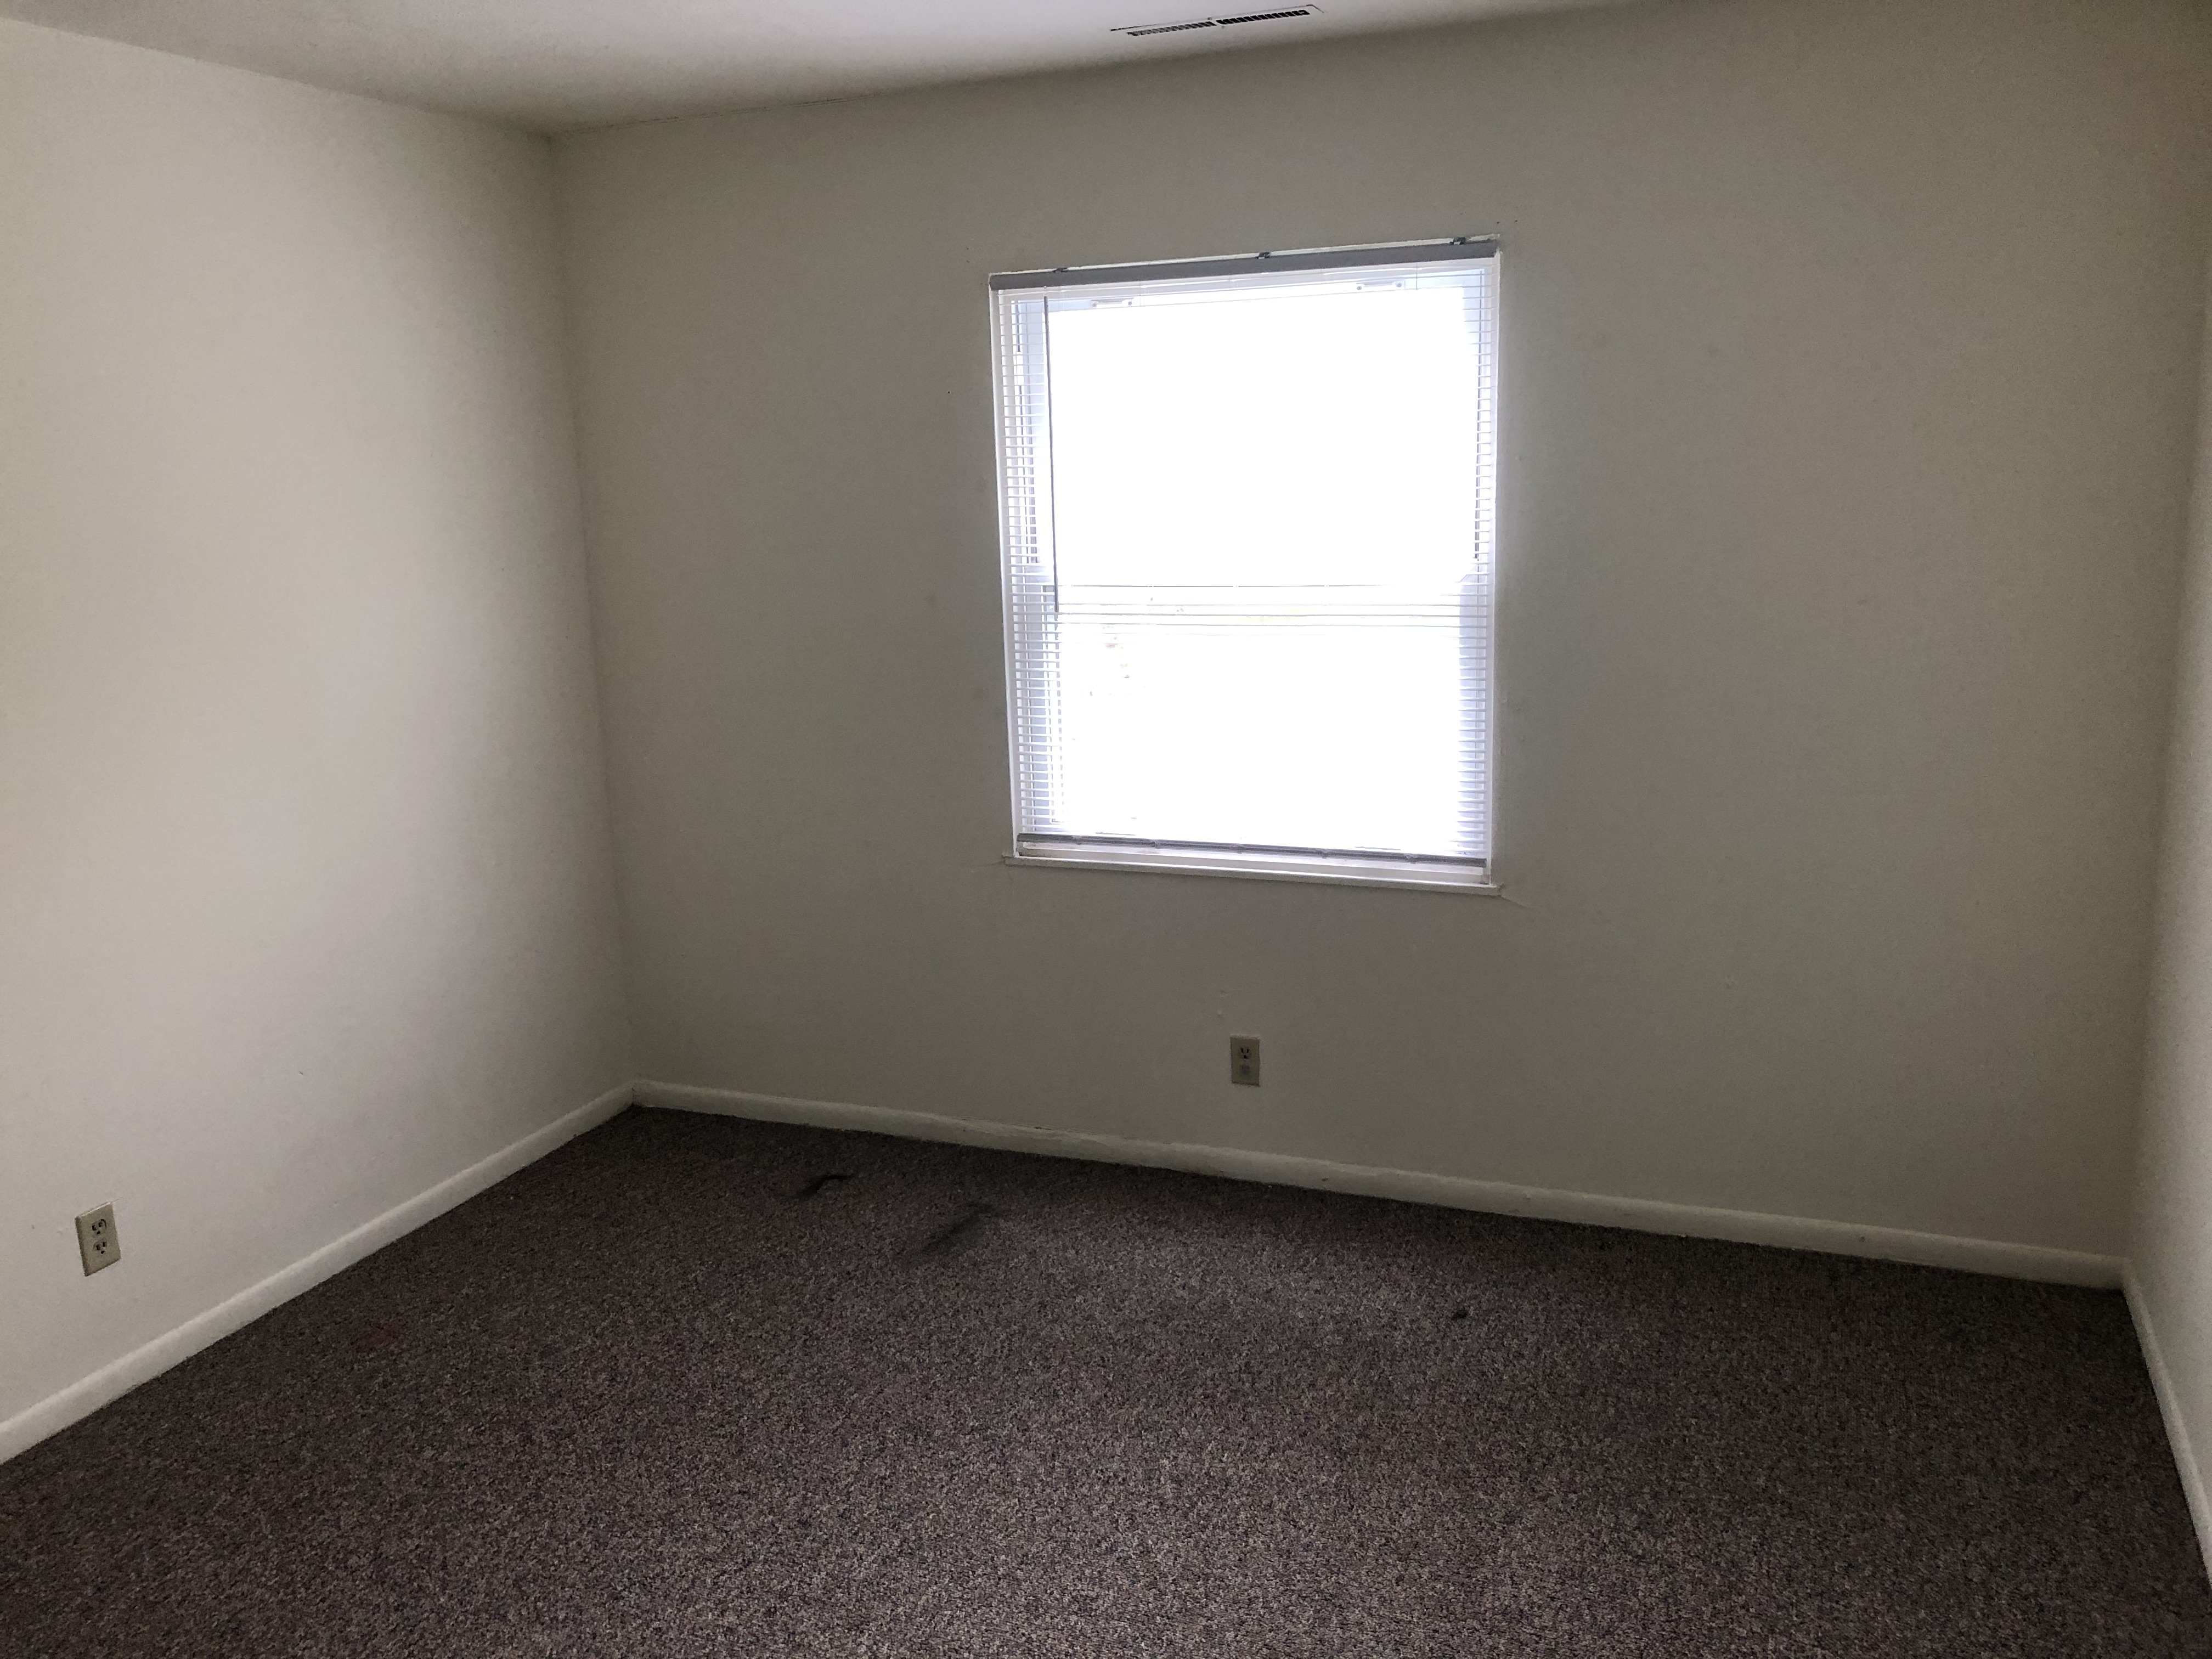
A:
(955, 1231)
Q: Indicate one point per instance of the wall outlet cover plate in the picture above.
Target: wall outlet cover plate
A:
(1244, 1060)
(95, 1238)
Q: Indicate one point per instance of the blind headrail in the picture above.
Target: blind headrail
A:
(1460, 249)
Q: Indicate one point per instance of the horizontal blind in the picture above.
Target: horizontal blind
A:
(1247, 519)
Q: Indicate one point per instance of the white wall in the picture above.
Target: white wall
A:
(305, 900)
(1850, 365)
(2171, 1253)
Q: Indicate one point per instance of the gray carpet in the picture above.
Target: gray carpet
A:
(692, 1386)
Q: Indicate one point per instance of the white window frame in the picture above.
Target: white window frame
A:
(1044, 850)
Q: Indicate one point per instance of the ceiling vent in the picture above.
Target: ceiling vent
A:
(1136, 29)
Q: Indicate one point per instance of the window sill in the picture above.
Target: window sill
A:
(1330, 872)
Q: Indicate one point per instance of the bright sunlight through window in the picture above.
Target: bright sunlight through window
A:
(1248, 522)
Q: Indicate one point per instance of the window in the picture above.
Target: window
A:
(1248, 510)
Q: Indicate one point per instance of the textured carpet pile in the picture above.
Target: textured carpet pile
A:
(692, 1386)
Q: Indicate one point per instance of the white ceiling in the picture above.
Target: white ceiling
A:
(564, 63)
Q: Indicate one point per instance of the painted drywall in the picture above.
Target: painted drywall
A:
(306, 893)
(2170, 1252)
(1849, 368)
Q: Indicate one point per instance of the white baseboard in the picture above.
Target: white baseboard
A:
(1641, 1214)
(2169, 1408)
(82, 1398)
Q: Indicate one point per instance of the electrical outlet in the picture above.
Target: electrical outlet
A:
(1244, 1060)
(95, 1238)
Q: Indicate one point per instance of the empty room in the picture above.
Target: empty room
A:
(945, 828)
